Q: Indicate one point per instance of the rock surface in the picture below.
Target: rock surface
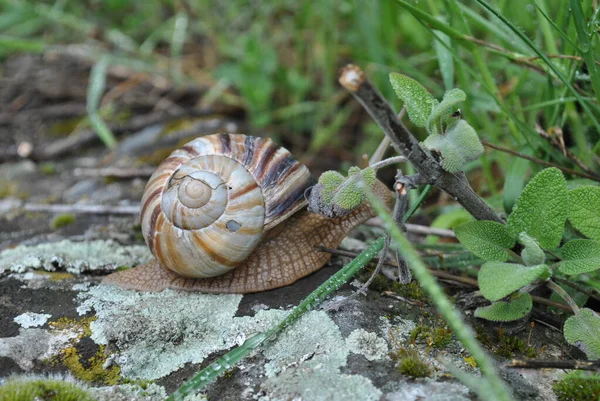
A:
(56, 317)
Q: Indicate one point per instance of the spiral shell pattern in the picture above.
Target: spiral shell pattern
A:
(207, 206)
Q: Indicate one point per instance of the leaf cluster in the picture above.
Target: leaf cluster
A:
(537, 224)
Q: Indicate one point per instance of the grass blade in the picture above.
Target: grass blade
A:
(215, 369)
(587, 50)
(547, 61)
(462, 331)
(95, 91)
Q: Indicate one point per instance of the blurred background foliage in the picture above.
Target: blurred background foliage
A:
(278, 60)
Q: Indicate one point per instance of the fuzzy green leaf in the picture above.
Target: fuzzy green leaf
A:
(416, 98)
(448, 104)
(582, 331)
(541, 210)
(458, 146)
(584, 210)
(532, 254)
(486, 239)
(501, 311)
(497, 279)
(580, 256)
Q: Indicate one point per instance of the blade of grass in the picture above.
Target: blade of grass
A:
(9, 44)
(587, 51)
(547, 61)
(96, 87)
(215, 369)
(462, 331)
(562, 33)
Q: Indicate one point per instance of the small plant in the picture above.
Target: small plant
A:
(521, 254)
(411, 364)
(578, 386)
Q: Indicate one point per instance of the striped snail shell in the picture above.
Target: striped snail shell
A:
(209, 204)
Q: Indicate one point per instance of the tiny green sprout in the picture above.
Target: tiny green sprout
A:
(62, 220)
(411, 364)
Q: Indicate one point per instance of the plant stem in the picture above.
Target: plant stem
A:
(563, 294)
(354, 79)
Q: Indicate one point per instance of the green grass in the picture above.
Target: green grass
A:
(520, 64)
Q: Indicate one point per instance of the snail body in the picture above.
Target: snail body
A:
(226, 213)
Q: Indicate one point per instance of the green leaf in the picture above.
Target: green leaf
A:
(541, 210)
(532, 254)
(584, 210)
(582, 331)
(486, 239)
(451, 98)
(416, 98)
(580, 256)
(458, 146)
(501, 311)
(497, 279)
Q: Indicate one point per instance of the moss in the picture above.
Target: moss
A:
(47, 168)
(22, 389)
(55, 276)
(412, 291)
(437, 336)
(578, 386)
(7, 189)
(511, 345)
(504, 345)
(95, 372)
(62, 220)
(411, 364)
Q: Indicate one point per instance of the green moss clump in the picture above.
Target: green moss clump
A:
(24, 389)
(437, 336)
(411, 364)
(62, 220)
(47, 168)
(578, 386)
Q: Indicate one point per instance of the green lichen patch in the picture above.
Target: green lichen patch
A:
(368, 344)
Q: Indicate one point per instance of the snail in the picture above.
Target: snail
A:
(226, 213)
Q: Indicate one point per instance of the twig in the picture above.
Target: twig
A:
(82, 209)
(539, 161)
(553, 364)
(416, 228)
(115, 172)
(354, 80)
(393, 295)
(388, 162)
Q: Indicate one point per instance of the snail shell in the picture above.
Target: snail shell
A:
(279, 240)
(209, 204)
